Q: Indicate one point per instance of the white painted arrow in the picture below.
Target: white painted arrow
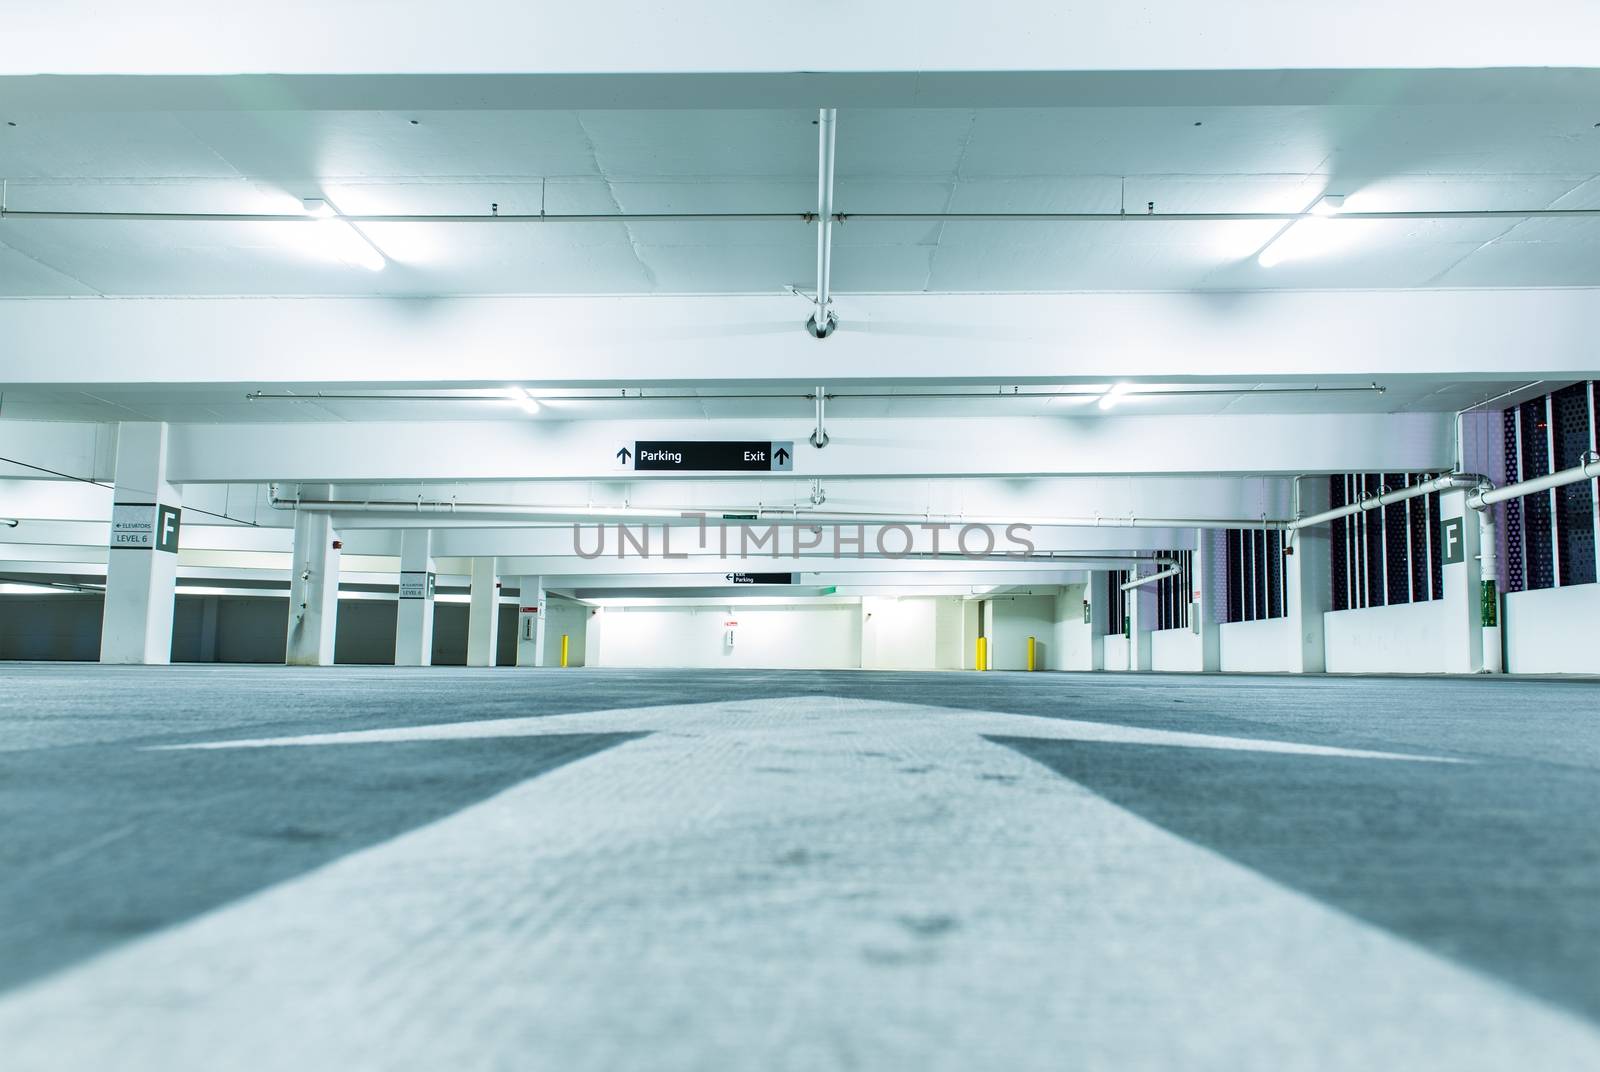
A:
(804, 883)
(715, 716)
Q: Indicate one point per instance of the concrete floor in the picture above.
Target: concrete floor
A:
(598, 869)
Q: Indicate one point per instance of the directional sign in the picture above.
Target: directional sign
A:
(760, 578)
(145, 526)
(416, 584)
(757, 456)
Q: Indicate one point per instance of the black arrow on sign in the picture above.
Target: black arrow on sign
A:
(623, 455)
(782, 456)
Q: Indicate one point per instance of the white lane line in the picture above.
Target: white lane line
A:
(785, 885)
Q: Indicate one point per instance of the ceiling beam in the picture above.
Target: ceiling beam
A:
(632, 341)
(587, 450)
(483, 36)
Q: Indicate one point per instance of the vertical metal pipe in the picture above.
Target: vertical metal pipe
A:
(1552, 495)
(1489, 609)
(825, 143)
(1411, 573)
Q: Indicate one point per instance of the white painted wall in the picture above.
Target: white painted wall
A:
(1176, 649)
(1072, 638)
(898, 634)
(1117, 647)
(1258, 647)
(816, 636)
(1015, 619)
(948, 631)
(1403, 639)
(565, 616)
(1552, 631)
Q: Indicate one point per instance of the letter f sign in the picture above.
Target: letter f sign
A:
(1451, 540)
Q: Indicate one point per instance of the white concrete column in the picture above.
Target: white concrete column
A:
(1208, 579)
(313, 590)
(1462, 634)
(483, 617)
(413, 620)
(142, 561)
(1141, 623)
(1308, 583)
(532, 612)
(1099, 619)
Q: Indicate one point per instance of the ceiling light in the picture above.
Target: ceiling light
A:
(340, 239)
(524, 398)
(1113, 395)
(1305, 237)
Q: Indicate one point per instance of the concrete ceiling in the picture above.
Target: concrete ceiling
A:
(1507, 152)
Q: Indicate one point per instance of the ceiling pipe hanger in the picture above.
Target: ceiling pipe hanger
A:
(819, 437)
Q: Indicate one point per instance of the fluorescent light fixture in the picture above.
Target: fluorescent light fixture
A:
(340, 239)
(523, 397)
(1113, 395)
(1307, 237)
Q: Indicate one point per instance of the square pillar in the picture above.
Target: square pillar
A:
(1141, 623)
(1462, 632)
(483, 617)
(1099, 618)
(313, 591)
(142, 561)
(1208, 576)
(1308, 583)
(413, 620)
(531, 612)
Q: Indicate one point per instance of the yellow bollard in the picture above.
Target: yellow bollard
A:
(1032, 645)
(981, 661)
(564, 639)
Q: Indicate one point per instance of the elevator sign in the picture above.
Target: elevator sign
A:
(145, 527)
(416, 584)
(691, 456)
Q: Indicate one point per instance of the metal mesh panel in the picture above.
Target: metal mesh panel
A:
(1417, 527)
(1258, 562)
(1569, 409)
(1514, 576)
(1396, 534)
(1116, 604)
(1274, 575)
(1538, 545)
(1235, 576)
(1338, 549)
(1435, 551)
(1172, 593)
(1164, 600)
(1373, 541)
